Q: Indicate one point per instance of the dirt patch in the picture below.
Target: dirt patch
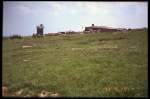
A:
(76, 49)
(26, 46)
(25, 60)
(107, 46)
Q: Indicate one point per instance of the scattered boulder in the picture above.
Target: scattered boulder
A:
(55, 95)
(43, 94)
(18, 93)
(48, 94)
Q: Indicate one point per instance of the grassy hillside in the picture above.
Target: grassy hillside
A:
(97, 65)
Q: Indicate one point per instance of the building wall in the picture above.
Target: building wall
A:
(39, 31)
(108, 30)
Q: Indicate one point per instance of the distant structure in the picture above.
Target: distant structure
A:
(40, 29)
(94, 29)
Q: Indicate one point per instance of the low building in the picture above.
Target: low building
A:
(122, 29)
(95, 29)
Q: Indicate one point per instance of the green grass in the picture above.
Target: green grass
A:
(97, 65)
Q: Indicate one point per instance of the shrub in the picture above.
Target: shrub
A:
(16, 37)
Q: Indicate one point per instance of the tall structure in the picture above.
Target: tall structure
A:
(40, 29)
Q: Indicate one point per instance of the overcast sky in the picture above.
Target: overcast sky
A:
(23, 17)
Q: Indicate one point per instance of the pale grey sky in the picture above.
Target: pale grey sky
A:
(22, 17)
